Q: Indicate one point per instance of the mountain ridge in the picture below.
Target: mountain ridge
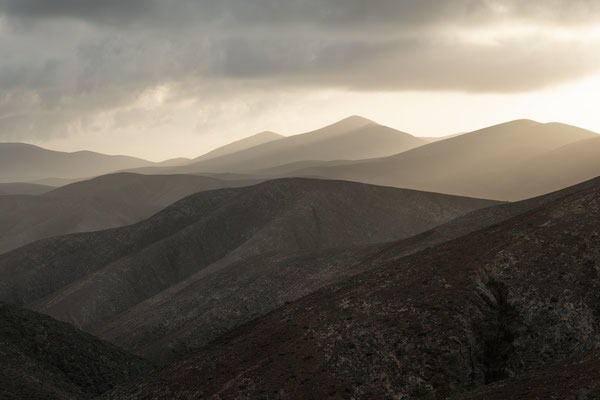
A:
(502, 301)
(475, 164)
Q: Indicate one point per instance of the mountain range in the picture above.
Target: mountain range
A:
(511, 161)
(350, 262)
(20, 162)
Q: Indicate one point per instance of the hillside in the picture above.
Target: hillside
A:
(488, 163)
(181, 318)
(90, 278)
(578, 377)
(41, 358)
(100, 203)
(353, 138)
(221, 297)
(500, 302)
(20, 162)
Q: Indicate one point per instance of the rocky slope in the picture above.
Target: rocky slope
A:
(218, 299)
(221, 297)
(497, 303)
(577, 377)
(41, 358)
(90, 278)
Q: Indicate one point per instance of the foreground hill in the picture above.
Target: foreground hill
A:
(90, 278)
(489, 163)
(100, 203)
(20, 162)
(41, 358)
(353, 138)
(499, 302)
(223, 296)
(209, 303)
(577, 377)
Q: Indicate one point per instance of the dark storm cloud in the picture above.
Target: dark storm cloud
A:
(312, 12)
(105, 10)
(65, 60)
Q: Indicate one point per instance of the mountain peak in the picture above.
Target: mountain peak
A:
(267, 135)
(345, 125)
(356, 119)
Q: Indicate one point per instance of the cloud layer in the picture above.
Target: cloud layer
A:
(65, 62)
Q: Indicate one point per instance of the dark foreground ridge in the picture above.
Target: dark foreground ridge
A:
(577, 377)
(41, 358)
(208, 304)
(501, 302)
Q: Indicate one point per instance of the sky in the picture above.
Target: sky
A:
(169, 78)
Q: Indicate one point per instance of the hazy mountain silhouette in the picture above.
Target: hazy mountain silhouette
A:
(353, 138)
(58, 182)
(174, 162)
(509, 299)
(20, 162)
(479, 164)
(41, 358)
(24, 188)
(567, 165)
(432, 139)
(243, 144)
(89, 278)
(100, 203)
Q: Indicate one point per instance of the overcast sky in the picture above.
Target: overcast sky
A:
(166, 78)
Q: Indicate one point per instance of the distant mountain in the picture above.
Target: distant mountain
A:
(57, 182)
(90, 278)
(23, 188)
(41, 358)
(20, 162)
(353, 138)
(243, 144)
(174, 162)
(500, 302)
(567, 165)
(105, 202)
(489, 163)
(432, 139)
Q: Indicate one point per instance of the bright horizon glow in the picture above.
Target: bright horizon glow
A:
(411, 112)
(161, 81)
